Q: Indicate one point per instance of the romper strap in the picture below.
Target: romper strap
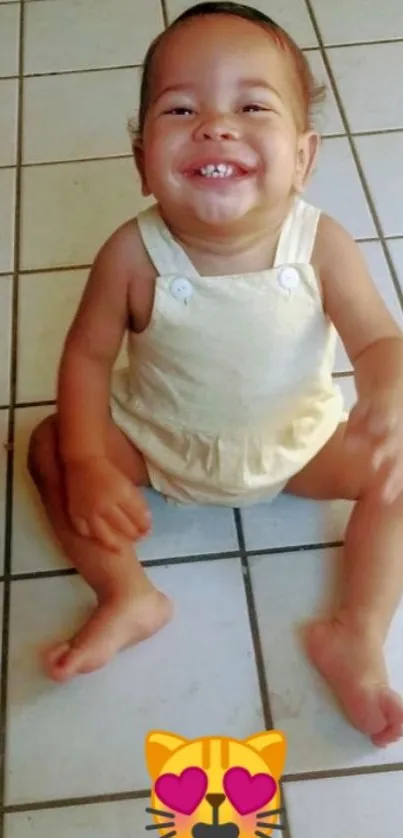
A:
(166, 254)
(298, 235)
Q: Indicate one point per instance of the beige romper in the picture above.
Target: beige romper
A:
(228, 391)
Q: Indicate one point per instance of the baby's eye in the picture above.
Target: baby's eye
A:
(253, 108)
(180, 111)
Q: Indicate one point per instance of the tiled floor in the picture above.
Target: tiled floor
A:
(74, 763)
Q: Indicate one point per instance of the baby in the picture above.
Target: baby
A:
(231, 288)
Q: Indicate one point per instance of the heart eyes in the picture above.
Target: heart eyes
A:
(247, 793)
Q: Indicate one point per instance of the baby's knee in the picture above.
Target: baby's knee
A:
(42, 450)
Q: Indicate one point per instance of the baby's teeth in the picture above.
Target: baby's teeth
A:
(218, 170)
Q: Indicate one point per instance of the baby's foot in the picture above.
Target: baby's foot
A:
(116, 624)
(353, 664)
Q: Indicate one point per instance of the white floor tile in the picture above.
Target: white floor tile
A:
(33, 547)
(380, 274)
(197, 677)
(9, 39)
(380, 156)
(47, 305)
(292, 522)
(3, 477)
(327, 117)
(100, 38)
(126, 819)
(84, 203)
(288, 590)
(7, 208)
(336, 188)
(368, 81)
(352, 806)
(79, 116)
(5, 338)
(187, 531)
(396, 251)
(8, 121)
(358, 20)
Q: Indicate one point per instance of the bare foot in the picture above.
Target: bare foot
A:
(353, 664)
(116, 624)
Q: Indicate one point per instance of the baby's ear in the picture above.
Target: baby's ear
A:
(159, 747)
(272, 747)
(308, 150)
(138, 152)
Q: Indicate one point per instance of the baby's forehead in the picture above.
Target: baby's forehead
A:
(202, 48)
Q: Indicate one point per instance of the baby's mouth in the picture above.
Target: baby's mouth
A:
(219, 171)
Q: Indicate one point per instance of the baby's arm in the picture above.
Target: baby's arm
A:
(354, 305)
(91, 348)
(101, 501)
(374, 343)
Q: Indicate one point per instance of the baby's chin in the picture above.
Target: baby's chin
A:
(220, 212)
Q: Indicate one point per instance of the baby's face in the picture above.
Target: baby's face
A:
(220, 138)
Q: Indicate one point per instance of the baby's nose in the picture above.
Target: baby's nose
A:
(217, 128)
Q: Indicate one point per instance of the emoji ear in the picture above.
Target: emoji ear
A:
(272, 747)
(160, 746)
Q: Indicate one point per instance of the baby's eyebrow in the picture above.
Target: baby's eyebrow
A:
(189, 87)
(183, 87)
(262, 83)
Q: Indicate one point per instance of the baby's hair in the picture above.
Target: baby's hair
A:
(310, 94)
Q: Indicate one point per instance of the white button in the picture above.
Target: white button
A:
(181, 289)
(289, 278)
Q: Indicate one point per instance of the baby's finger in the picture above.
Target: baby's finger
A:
(393, 486)
(357, 426)
(381, 422)
(387, 451)
(119, 521)
(81, 526)
(137, 510)
(105, 534)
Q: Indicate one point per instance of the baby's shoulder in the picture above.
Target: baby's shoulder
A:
(332, 239)
(125, 250)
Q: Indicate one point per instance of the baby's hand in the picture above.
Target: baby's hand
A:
(103, 504)
(378, 420)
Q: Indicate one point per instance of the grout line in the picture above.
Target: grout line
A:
(148, 563)
(355, 154)
(39, 74)
(340, 45)
(294, 548)
(11, 430)
(57, 268)
(60, 803)
(254, 627)
(68, 161)
(337, 773)
(44, 403)
(165, 15)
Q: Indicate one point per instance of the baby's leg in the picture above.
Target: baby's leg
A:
(129, 607)
(348, 649)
